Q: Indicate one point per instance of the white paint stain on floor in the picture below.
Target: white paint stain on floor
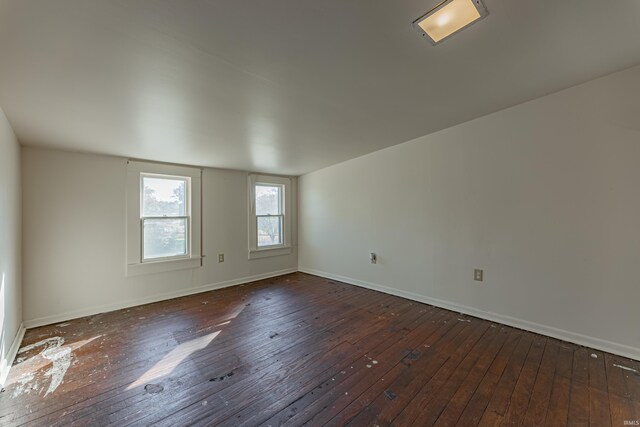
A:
(56, 357)
(626, 368)
(22, 384)
(60, 358)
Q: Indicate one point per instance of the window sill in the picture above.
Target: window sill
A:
(269, 252)
(163, 266)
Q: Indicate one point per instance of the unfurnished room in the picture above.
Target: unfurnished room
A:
(320, 213)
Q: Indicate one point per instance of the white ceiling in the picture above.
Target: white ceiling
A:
(284, 86)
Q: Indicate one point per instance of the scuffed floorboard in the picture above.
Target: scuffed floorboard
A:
(300, 349)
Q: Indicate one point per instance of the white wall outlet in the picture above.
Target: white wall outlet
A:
(373, 258)
(220, 257)
(478, 275)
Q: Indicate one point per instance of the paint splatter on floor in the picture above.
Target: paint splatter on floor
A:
(22, 385)
(626, 368)
(59, 356)
(153, 388)
(389, 394)
(230, 374)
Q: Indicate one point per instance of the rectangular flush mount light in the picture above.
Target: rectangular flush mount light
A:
(448, 18)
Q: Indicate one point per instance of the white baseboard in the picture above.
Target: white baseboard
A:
(6, 362)
(62, 317)
(561, 334)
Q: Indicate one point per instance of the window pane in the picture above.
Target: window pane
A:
(268, 200)
(164, 196)
(165, 237)
(269, 230)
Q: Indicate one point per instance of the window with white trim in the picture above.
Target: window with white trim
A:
(163, 217)
(269, 212)
(269, 215)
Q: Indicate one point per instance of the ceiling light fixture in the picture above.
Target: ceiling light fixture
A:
(448, 18)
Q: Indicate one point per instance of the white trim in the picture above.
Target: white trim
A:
(561, 334)
(48, 320)
(287, 195)
(7, 362)
(135, 265)
(162, 266)
(269, 252)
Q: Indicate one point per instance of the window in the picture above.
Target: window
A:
(269, 214)
(163, 218)
(269, 230)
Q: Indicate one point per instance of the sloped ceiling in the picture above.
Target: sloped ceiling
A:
(284, 86)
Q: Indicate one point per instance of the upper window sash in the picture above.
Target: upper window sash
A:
(186, 202)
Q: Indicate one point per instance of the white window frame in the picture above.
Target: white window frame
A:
(136, 264)
(186, 216)
(284, 248)
(280, 216)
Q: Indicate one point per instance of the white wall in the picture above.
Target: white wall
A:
(10, 243)
(544, 196)
(74, 238)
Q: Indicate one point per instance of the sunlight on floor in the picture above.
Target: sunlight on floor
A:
(172, 359)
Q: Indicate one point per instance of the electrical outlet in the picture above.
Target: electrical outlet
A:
(478, 275)
(373, 258)
(220, 257)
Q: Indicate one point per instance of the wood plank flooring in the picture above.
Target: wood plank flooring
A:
(303, 350)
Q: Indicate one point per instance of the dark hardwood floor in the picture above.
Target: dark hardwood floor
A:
(303, 350)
